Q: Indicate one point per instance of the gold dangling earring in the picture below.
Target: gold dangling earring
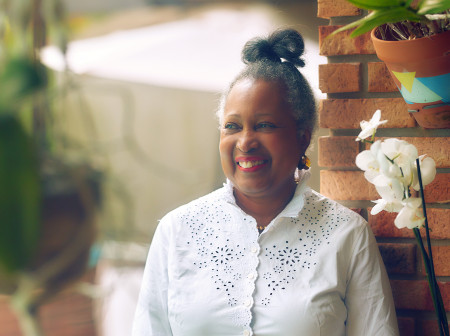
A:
(305, 163)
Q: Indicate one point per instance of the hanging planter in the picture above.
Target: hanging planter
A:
(421, 70)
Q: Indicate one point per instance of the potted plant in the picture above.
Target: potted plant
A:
(413, 39)
(48, 200)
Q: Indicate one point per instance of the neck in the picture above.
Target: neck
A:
(265, 208)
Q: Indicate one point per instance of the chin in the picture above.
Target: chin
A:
(251, 188)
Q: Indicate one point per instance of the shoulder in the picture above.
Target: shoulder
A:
(335, 218)
(330, 207)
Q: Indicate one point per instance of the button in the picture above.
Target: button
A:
(246, 333)
(248, 302)
(251, 276)
(254, 249)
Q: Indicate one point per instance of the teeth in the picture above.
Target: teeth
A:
(250, 164)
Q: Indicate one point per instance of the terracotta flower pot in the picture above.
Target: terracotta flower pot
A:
(421, 70)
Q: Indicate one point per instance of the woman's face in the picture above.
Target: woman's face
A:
(259, 146)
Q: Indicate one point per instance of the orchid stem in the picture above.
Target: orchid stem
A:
(429, 265)
(434, 289)
(424, 208)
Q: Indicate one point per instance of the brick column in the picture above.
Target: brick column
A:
(357, 84)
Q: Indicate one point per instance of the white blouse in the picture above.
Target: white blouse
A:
(315, 270)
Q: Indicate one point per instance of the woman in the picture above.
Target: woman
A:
(265, 254)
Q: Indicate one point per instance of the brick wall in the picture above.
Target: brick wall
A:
(67, 314)
(356, 84)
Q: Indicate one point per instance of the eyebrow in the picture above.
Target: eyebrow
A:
(235, 115)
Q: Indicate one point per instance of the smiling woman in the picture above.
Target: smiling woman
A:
(265, 255)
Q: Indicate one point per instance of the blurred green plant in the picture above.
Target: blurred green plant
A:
(400, 19)
(41, 192)
(20, 195)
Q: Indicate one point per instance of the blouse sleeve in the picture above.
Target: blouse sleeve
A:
(151, 317)
(369, 299)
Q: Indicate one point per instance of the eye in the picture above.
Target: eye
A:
(231, 126)
(265, 125)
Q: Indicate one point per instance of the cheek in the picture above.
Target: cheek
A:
(226, 151)
(287, 150)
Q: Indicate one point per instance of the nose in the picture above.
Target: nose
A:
(247, 141)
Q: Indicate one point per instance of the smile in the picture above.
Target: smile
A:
(250, 164)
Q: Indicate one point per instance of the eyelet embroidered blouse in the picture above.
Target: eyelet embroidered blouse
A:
(315, 270)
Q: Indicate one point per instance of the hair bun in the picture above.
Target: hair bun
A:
(284, 44)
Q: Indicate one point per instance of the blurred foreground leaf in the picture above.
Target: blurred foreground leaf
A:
(20, 199)
(19, 78)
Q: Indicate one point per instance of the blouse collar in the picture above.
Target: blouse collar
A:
(295, 205)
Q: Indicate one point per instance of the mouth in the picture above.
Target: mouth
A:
(250, 164)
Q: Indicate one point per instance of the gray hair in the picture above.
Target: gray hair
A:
(275, 59)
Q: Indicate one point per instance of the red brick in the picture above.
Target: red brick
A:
(342, 43)
(415, 294)
(380, 79)
(382, 225)
(427, 328)
(441, 257)
(438, 190)
(436, 148)
(348, 113)
(406, 326)
(398, 258)
(340, 77)
(346, 185)
(337, 151)
(68, 314)
(331, 8)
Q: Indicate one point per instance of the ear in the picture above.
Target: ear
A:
(304, 140)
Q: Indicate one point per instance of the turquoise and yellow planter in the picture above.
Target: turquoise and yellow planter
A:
(421, 70)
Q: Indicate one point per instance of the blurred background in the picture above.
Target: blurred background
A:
(145, 81)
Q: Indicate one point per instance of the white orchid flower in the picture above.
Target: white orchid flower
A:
(390, 165)
(387, 167)
(382, 204)
(427, 170)
(367, 161)
(368, 128)
(412, 202)
(392, 190)
(375, 148)
(399, 151)
(391, 196)
(409, 217)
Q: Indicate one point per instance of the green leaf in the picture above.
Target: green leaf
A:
(378, 18)
(20, 200)
(376, 4)
(19, 78)
(433, 6)
(349, 26)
